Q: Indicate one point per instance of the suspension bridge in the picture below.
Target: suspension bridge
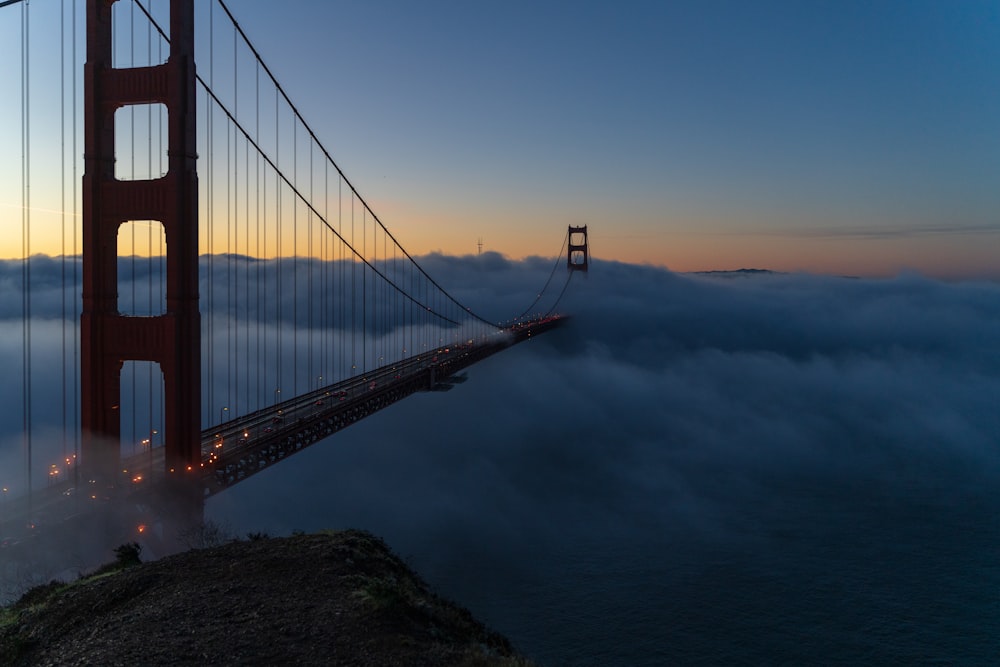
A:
(227, 296)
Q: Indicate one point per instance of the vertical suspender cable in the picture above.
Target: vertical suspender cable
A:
(309, 267)
(352, 294)
(229, 314)
(26, 236)
(277, 241)
(234, 253)
(257, 249)
(364, 293)
(151, 258)
(326, 326)
(132, 227)
(210, 208)
(261, 254)
(398, 317)
(76, 339)
(251, 403)
(295, 262)
(161, 251)
(341, 305)
(62, 209)
(366, 311)
(385, 305)
(411, 324)
(379, 305)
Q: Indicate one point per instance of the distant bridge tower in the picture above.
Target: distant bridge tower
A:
(108, 338)
(577, 254)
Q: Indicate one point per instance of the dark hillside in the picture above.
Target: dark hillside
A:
(338, 598)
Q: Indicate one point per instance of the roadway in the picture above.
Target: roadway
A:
(241, 447)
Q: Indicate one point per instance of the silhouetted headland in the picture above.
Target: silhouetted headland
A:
(333, 598)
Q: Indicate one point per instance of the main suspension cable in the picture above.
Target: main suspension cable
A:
(553, 273)
(367, 210)
(330, 159)
(298, 194)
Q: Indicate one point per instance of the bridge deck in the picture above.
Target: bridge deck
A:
(233, 451)
(240, 448)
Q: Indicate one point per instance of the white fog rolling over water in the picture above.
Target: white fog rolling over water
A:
(742, 468)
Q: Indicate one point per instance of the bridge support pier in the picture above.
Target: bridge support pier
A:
(107, 337)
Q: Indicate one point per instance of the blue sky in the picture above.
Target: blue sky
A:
(797, 135)
(832, 137)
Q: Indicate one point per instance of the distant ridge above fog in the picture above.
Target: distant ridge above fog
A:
(737, 273)
(747, 273)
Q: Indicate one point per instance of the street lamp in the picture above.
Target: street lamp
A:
(223, 411)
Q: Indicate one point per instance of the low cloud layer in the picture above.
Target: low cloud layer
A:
(694, 468)
(697, 467)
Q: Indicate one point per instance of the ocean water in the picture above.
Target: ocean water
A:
(831, 576)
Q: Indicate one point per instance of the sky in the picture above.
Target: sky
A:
(831, 137)
(696, 469)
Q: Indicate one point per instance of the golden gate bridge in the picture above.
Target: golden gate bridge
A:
(229, 298)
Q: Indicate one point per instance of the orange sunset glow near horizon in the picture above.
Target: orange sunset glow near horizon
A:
(949, 255)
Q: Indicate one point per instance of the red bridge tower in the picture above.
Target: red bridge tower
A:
(109, 338)
(577, 254)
